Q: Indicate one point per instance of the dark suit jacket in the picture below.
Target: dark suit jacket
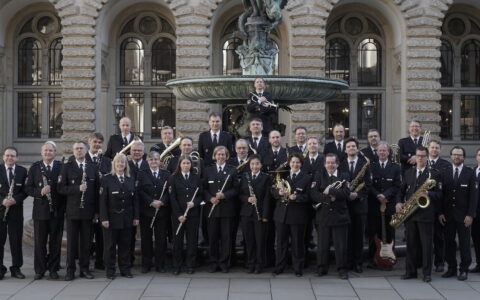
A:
(294, 211)
(459, 198)
(245, 169)
(312, 169)
(359, 205)
(181, 191)
(407, 149)
(34, 186)
(411, 184)
(134, 170)
(206, 147)
(263, 145)
(104, 163)
(265, 113)
(118, 202)
(150, 188)
(332, 148)
(213, 183)
(19, 193)
(368, 152)
(270, 163)
(441, 165)
(261, 188)
(199, 165)
(115, 145)
(296, 149)
(478, 198)
(385, 181)
(330, 212)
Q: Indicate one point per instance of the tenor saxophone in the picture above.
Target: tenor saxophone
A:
(355, 185)
(9, 196)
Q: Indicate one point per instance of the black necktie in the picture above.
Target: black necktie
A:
(121, 179)
(375, 152)
(125, 141)
(455, 177)
(294, 175)
(215, 141)
(383, 165)
(255, 141)
(275, 154)
(241, 161)
(49, 169)
(339, 147)
(10, 176)
(254, 177)
(219, 170)
(352, 169)
(95, 159)
(155, 175)
(186, 176)
(312, 161)
(81, 167)
(419, 173)
(137, 164)
(415, 141)
(432, 163)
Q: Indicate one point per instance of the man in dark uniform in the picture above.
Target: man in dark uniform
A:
(300, 141)
(260, 105)
(104, 166)
(386, 182)
(358, 202)
(441, 165)
(276, 155)
(186, 148)
(208, 140)
(337, 146)
(79, 181)
(419, 226)
(476, 220)
(457, 211)
(314, 160)
(370, 151)
(152, 194)
(12, 178)
(408, 145)
(257, 141)
(167, 139)
(220, 193)
(48, 211)
(119, 141)
(329, 193)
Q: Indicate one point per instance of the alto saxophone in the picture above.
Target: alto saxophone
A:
(414, 202)
(9, 196)
(252, 194)
(355, 185)
(84, 181)
(48, 195)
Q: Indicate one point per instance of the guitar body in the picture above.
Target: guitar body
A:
(384, 255)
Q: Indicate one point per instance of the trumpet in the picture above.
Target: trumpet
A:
(127, 147)
(9, 196)
(335, 185)
(256, 99)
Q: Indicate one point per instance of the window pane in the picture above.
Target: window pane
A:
(132, 62)
(369, 114)
(55, 62)
(446, 59)
(163, 61)
(163, 112)
(471, 63)
(337, 112)
(29, 114)
(446, 117)
(135, 110)
(55, 115)
(29, 62)
(338, 59)
(369, 63)
(470, 117)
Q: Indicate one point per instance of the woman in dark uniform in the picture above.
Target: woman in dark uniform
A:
(255, 212)
(118, 214)
(185, 189)
(291, 216)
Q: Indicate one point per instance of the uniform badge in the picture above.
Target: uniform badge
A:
(59, 179)
(101, 190)
(40, 184)
(170, 189)
(440, 185)
(73, 181)
(136, 183)
(314, 183)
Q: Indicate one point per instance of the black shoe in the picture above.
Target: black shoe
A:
(343, 275)
(86, 274)
(190, 271)
(16, 273)
(160, 269)
(450, 273)
(176, 272)
(251, 270)
(258, 270)
(99, 266)
(358, 268)
(407, 276)
(476, 269)
(427, 278)
(462, 276)
(3, 270)
(145, 269)
(298, 273)
(127, 274)
(38, 276)
(110, 276)
(213, 268)
(53, 275)
(277, 272)
(439, 269)
(224, 269)
(69, 277)
(322, 272)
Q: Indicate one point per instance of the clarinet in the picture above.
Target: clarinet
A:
(45, 183)
(9, 196)
(157, 209)
(99, 162)
(252, 194)
(84, 181)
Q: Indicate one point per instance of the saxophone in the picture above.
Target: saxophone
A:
(9, 196)
(414, 202)
(355, 185)
(84, 181)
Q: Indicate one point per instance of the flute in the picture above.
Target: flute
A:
(9, 196)
(157, 209)
(221, 191)
(186, 211)
(252, 194)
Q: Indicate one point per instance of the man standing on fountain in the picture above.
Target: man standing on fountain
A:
(260, 104)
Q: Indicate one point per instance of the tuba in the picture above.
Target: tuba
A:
(196, 165)
(167, 155)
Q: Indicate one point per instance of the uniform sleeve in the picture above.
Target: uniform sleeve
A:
(63, 187)
(21, 195)
(176, 212)
(473, 196)
(30, 187)
(103, 201)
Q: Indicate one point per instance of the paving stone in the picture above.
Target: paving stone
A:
(249, 286)
(289, 294)
(41, 289)
(460, 294)
(372, 294)
(156, 289)
(249, 296)
(206, 293)
(119, 294)
(333, 289)
(12, 286)
(336, 298)
(129, 283)
(370, 283)
(449, 284)
(415, 289)
(290, 283)
(161, 298)
(82, 288)
(208, 283)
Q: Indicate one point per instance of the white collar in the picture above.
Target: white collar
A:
(334, 173)
(83, 162)
(434, 160)
(138, 163)
(296, 173)
(355, 160)
(13, 168)
(187, 174)
(383, 162)
(244, 159)
(50, 164)
(152, 170)
(126, 136)
(314, 157)
(217, 133)
(256, 174)
(221, 166)
(460, 167)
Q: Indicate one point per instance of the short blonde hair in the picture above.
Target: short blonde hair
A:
(120, 156)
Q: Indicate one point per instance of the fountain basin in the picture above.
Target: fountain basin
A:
(285, 90)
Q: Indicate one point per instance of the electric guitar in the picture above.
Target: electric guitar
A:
(384, 255)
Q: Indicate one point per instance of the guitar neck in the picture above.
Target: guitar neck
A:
(384, 228)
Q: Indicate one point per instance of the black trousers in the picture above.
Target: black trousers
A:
(356, 234)
(13, 227)
(220, 240)
(270, 244)
(98, 238)
(189, 231)
(374, 225)
(78, 242)
(339, 236)
(47, 233)
(254, 233)
(133, 240)
(121, 239)
(453, 228)
(476, 237)
(419, 237)
(438, 243)
(151, 248)
(295, 233)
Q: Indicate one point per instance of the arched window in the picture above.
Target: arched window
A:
(39, 76)
(148, 59)
(460, 80)
(363, 68)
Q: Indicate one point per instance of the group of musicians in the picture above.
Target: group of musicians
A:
(275, 195)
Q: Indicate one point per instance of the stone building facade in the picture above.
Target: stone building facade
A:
(425, 65)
